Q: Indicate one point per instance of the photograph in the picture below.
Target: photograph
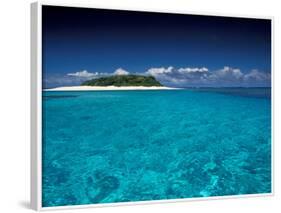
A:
(153, 106)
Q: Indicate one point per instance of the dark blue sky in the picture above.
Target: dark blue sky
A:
(96, 40)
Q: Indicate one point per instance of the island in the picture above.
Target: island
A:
(117, 82)
(124, 81)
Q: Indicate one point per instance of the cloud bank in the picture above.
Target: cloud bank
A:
(85, 74)
(195, 76)
(177, 77)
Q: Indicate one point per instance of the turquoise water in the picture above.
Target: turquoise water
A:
(120, 146)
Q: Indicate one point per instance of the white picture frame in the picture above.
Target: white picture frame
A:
(36, 109)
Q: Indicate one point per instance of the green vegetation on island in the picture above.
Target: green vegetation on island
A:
(123, 80)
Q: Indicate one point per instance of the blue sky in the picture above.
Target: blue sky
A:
(178, 50)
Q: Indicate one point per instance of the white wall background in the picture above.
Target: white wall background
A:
(15, 112)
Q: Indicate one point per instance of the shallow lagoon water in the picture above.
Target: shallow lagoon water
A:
(120, 146)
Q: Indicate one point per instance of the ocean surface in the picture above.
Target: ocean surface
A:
(120, 146)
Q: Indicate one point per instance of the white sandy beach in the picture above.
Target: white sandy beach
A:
(101, 88)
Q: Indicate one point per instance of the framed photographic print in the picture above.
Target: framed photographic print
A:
(130, 107)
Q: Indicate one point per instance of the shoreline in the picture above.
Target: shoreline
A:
(108, 88)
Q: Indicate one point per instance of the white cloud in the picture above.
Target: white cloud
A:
(255, 75)
(83, 74)
(159, 71)
(227, 73)
(121, 71)
(192, 70)
(179, 76)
